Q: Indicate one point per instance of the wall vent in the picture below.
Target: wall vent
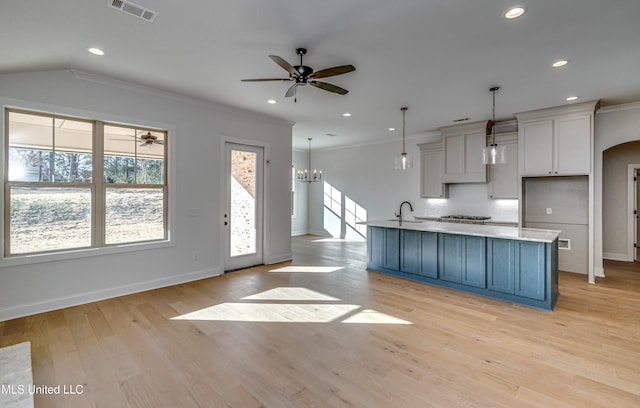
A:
(564, 243)
(133, 9)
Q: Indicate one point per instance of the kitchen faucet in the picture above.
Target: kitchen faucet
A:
(399, 216)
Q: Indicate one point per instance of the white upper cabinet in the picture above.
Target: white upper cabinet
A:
(463, 146)
(556, 141)
(431, 158)
(503, 178)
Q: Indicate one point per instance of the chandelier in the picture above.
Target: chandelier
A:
(306, 176)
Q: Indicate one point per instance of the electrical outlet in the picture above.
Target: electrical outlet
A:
(549, 210)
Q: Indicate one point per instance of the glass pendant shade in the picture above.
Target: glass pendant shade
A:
(403, 162)
(494, 154)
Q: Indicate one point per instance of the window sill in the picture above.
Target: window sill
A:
(82, 253)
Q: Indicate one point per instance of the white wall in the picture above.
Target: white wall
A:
(199, 130)
(299, 222)
(615, 211)
(614, 125)
(366, 175)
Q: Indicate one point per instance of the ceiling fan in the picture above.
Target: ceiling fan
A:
(305, 75)
(145, 139)
(149, 139)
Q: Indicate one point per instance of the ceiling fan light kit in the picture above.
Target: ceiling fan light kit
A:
(303, 75)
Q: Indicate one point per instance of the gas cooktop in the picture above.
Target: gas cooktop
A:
(467, 217)
(470, 219)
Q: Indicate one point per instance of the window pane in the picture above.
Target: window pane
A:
(72, 167)
(30, 147)
(48, 219)
(33, 139)
(134, 214)
(30, 164)
(149, 171)
(133, 156)
(118, 169)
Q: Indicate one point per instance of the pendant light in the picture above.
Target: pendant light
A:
(305, 175)
(403, 160)
(494, 154)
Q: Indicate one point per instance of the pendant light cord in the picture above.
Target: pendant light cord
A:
(493, 126)
(404, 111)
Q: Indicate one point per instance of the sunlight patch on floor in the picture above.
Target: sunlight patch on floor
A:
(271, 312)
(372, 316)
(308, 269)
(290, 294)
(339, 240)
(290, 305)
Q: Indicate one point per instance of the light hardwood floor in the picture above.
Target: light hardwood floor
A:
(322, 331)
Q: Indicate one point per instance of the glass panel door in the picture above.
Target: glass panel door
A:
(243, 212)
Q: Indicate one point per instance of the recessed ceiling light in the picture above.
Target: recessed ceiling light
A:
(96, 51)
(271, 101)
(346, 114)
(560, 63)
(514, 12)
(572, 98)
(392, 129)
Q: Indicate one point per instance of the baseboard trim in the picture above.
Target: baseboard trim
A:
(278, 258)
(616, 256)
(28, 309)
(298, 233)
(320, 233)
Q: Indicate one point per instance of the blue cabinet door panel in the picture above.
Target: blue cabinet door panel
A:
(450, 257)
(392, 248)
(474, 272)
(428, 254)
(501, 265)
(530, 272)
(409, 251)
(376, 248)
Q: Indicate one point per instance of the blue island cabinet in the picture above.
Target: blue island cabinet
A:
(419, 253)
(519, 271)
(523, 268)
(461, 259)
(383, 247)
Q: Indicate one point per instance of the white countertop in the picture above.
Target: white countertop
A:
(491, 231)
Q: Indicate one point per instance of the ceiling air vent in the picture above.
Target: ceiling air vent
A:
(133, 9)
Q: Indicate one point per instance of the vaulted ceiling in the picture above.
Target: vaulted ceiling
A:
(438, 57)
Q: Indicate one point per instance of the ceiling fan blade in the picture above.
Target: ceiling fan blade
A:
(329, 87)
(265, 79)
(323, 73)
(291, 91)
(285, 65)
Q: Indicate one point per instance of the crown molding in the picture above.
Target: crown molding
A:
(618, 108)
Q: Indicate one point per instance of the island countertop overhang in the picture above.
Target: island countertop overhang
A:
(489, 231)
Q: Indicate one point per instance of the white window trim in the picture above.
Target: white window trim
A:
(15, 260)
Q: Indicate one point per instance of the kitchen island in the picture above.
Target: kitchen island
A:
(519, 265)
